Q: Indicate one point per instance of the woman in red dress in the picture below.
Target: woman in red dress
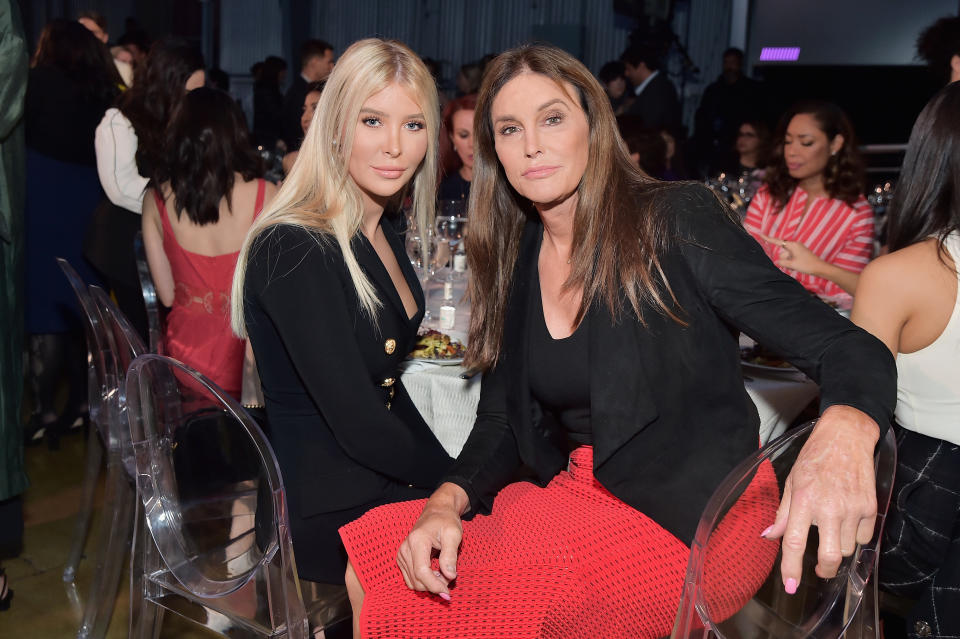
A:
(194, 222)
(811, 217)
(602, 310)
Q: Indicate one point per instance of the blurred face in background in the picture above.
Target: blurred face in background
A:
(541, 136)
(806, 148)
(462, 136)
(319, 67)
(747, 140)
(389, 144)
(309, 108)
(616, 87)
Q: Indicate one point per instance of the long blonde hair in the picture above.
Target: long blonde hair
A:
(319, 193)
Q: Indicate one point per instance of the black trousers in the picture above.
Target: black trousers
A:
(920, 555)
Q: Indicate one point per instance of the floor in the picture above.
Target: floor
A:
(44, 606)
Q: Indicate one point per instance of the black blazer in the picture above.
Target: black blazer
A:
(344, 430)
(669, 411)
(657, 105)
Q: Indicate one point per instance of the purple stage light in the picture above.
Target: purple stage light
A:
(780, 54)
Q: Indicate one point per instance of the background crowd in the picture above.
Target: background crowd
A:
(104, 138)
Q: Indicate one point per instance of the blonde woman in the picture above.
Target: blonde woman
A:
(331, 305)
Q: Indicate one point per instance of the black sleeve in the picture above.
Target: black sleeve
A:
(745, 288)
(490, 458)
(298, 281)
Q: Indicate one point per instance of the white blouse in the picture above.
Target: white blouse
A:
(116, 145)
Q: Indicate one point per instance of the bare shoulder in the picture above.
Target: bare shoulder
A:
(912, 273)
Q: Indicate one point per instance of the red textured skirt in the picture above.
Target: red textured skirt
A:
(567, 560)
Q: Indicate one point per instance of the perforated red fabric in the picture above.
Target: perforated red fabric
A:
(568, 560)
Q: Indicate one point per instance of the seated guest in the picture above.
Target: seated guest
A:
(310, 100)
(208, 193)
(602, 308)
(316, 63)
(810, 216)
(616, 85)
(752, 148)
(674, 161)
(909, 299)
(458, 122)
(129, 146)
(331, 304)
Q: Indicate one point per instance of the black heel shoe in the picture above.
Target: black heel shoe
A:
(6, 593)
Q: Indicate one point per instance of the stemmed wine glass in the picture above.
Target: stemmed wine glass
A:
(451, 224)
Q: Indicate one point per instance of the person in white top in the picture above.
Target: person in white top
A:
(129, 147)
(910, 299)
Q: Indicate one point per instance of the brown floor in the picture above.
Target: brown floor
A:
(44, 606)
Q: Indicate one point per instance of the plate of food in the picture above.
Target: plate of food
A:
(439, 348)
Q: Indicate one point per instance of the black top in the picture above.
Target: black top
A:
(343, 427)
(670, 415)
(453, 187)
(60, 118)
(292, 112)
(560, 373)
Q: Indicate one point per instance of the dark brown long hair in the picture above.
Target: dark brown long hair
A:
(70, 47)
(843, 177)
(618, 231)
(157, 89)
(927, 200)
(207, 145)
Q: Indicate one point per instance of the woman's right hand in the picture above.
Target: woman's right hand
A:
(438, 528)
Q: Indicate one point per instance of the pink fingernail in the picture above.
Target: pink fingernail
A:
(767, 531)
(791, 586)
(446, 597)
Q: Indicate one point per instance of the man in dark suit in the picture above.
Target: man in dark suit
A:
(316, 63)
(656, 98)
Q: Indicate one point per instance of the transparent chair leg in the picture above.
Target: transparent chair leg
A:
(145, 616)
(88, 488)
(115, 534)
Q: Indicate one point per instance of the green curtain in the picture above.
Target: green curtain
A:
(13, 87)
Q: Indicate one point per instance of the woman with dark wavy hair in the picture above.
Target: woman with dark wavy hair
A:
(810, 216)
(910, 300)
(206, 195)
(72, 81)
(603, 302)
(129, 144)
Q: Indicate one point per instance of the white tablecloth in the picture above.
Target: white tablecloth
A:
(449, 404)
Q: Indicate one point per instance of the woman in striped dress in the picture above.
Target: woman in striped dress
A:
(810, 216)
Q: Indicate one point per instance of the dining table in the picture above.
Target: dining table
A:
(447, 396)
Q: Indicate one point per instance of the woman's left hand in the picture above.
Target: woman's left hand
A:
(796, 256)
(832, 486)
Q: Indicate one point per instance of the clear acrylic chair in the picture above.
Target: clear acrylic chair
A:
(154, 321)
(115, 533)
(109, 430)
(101, 381)
(822, 608)
(219, 550)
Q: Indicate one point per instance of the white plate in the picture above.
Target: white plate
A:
(439, 362)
